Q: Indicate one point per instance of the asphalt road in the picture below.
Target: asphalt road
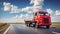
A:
(22, 29)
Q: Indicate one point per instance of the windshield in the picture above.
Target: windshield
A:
(42, 14)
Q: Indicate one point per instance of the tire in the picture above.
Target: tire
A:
(30, 24)
(47, 27)
(37, 26)
(26, 24)
(34, 25)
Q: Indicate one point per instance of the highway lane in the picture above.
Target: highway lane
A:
(23, 29)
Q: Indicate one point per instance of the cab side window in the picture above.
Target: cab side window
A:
(35, 14)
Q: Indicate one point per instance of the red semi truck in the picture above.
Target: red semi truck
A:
(41, 18)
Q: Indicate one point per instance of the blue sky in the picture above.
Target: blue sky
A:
(47, 4)
(53, 4)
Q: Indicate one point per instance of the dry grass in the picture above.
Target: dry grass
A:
(3, 25)
(55, 24)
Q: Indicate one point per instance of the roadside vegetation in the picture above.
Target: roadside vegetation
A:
(55, 23)
(3, 25)
(20, 22)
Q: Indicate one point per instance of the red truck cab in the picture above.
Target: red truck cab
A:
(40, 18)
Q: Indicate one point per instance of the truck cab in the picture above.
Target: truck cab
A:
(42, 18)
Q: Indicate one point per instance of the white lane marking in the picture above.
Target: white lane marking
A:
(55, 32)
(6, 30)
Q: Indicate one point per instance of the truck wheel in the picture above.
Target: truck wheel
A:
(47, 27)
(37, 26)
(26, 24)
(34, 25)
(29, 24)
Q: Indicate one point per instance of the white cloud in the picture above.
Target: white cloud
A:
(6, 6)
(27, 9)
(6, 3)
(14, 9)
(49, 11)
(21, 16)
(11, 8)
(28, 17)
(32, 1)
(30, 12)
(24, 16)
(57, 12)
(37, 4)
(55, 15)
